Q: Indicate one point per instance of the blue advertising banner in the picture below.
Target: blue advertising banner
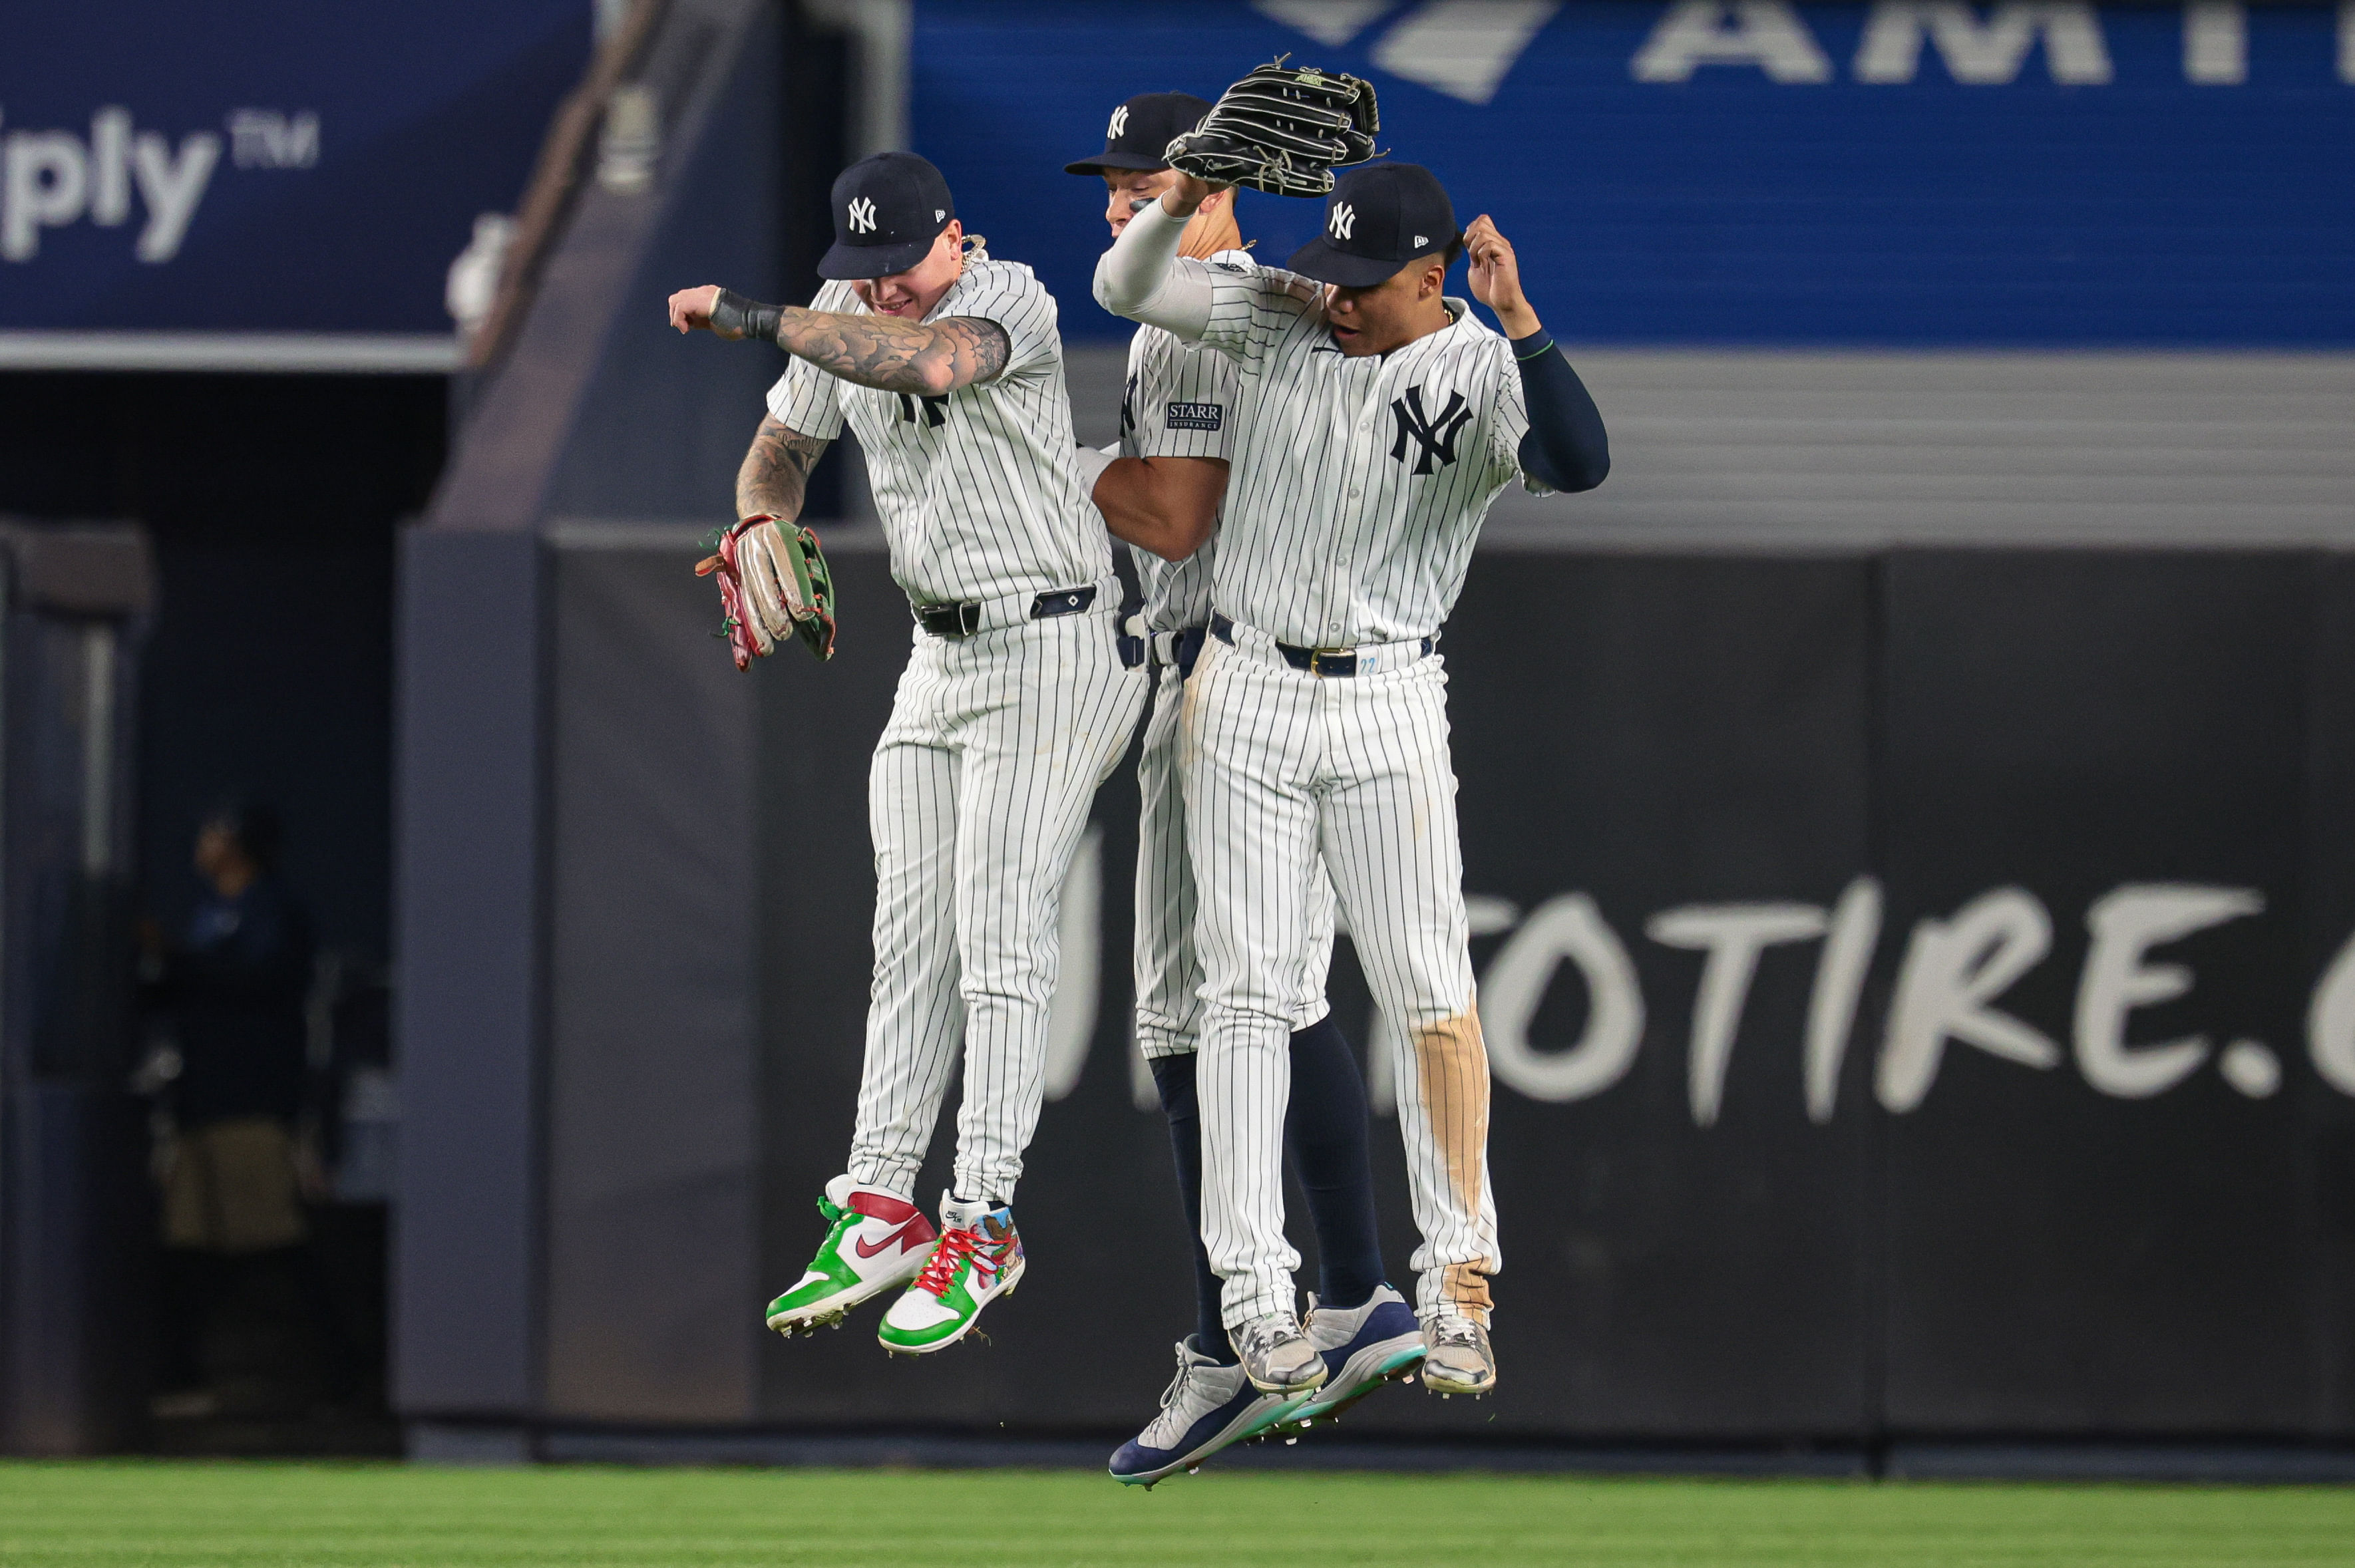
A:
(298, 177)
(1901, 174)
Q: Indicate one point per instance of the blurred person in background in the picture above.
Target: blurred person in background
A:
(234, 991)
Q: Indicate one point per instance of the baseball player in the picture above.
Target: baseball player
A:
(1161, 494)
(1014, 705)
(1379, 419)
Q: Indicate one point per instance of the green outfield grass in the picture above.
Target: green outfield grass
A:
(99, 1515)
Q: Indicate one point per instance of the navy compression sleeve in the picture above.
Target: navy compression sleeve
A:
(1565, 447)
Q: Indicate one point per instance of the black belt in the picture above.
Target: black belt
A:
(964, 619)
(1186, 648)
(1316, 661)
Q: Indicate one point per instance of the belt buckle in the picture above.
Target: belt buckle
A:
(968, 618)
(1343, 659)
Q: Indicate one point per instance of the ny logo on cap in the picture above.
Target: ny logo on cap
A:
(1119, 125)
(1344, 219)
(862, 215)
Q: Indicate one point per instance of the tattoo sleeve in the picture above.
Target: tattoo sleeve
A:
(931, 359)
(775, 475)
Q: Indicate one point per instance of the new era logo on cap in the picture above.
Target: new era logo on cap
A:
(1420, 240)
(862, 216)
(1344, 219)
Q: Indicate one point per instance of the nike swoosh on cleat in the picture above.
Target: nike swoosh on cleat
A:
(899, 1235)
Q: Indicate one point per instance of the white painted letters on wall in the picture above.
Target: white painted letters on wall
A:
(1569, 927)
(1839, 983)
(1733, 935)
(2127, 923)
(1953, 970)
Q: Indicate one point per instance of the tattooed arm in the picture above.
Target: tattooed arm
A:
(928, 359)
(774, 479)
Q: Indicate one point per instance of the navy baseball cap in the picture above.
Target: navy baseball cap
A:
(1141, 131)
(1380, 217)
(888, 210)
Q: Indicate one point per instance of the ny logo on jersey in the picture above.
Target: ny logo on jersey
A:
(862, 215)
(1343, 220)
(1128, 407)
(936, 412)
(1119, 125)
(1435, 437)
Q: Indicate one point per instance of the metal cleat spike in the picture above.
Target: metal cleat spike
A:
(1288, 1441)
(1193, 1469)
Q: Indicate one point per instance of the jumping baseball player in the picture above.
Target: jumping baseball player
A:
(1014, 705)
(1379, 419)
(1177, 422)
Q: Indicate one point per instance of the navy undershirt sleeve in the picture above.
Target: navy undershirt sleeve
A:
(1565, 447)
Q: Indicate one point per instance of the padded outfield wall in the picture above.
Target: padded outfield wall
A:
(1904, 812)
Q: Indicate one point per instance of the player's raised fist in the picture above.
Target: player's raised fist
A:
(691, 308)
(1495, 277)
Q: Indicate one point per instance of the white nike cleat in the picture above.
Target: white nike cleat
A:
(1456, 1356)
(874, 1241)
(1276, 1356)
(1206, 1407)
(1364, 1347)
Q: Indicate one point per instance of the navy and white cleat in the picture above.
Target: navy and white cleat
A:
(1208, 1407)
(1364, 1347)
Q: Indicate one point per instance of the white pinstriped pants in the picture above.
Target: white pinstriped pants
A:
(1168, 964)
(1283, 766)
(976, 800)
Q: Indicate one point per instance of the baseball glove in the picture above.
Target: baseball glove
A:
(1282, 130)
(772, 581)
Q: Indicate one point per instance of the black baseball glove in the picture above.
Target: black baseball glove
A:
(1282, 130)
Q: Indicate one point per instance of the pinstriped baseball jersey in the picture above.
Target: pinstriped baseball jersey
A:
(1180, 401)
(977, 491)
(1358, 484)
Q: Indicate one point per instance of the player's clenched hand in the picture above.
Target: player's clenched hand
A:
(1495, 274)
(691, 308)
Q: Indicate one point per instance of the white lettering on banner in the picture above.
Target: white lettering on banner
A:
(1733, 935)
(267, 139)
(1569, 927)
(45, 183)
(1980, 53)
(2215, 43)
(110, 174)
(1765, 34)
(171, 189)
(2125, 923)
(49, 179)
(1840, 986)
(1463, 47)
(1953, 970)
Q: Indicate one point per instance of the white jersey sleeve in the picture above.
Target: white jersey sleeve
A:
(1253, 308)
(1022, 310)
(1508, 424)
(805, 399)
(1181, 400)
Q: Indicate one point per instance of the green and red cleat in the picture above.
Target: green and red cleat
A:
(977, 1260)
(876, 1241)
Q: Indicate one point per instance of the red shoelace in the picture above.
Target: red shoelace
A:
(940, 1269)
